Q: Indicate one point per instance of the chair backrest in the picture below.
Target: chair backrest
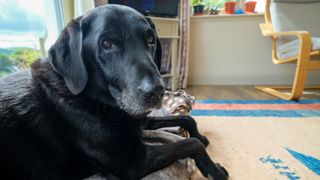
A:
(295, 15)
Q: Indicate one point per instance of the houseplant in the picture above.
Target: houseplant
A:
(213, 6)
(229, 6)
(249, 7)
(198, 7)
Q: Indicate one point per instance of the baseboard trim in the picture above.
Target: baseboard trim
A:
(266, 79)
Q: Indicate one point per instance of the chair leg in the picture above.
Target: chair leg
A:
(299, 80)
(296, 89)
(300, 75)
(273, 90)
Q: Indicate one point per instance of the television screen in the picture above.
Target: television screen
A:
(152, 7)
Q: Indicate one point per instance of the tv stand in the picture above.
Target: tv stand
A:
(168, 28)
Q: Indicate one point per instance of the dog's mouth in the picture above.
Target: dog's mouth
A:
(136, 107)
(137, 112)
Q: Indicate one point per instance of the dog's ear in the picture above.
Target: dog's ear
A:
(158, 51)
(66, 58)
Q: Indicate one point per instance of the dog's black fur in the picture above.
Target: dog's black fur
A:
(82, 110)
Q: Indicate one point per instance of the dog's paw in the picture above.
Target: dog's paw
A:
(215, 172)
(223, 173)
(204, 140)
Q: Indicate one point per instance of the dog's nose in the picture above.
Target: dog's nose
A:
(151, 93)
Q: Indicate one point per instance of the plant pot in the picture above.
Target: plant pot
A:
(229, 7)
(214, 11)
(198, 10)
(250, 7)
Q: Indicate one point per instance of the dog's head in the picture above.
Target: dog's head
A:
(110, 54)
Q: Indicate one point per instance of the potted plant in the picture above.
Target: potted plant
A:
(198, 7)
(213, 6)
(249, 7)
(229, 6)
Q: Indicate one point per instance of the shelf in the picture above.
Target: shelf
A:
(227, 15)
(166, 75)
(168, 28)
(169, 37)
(163, 18)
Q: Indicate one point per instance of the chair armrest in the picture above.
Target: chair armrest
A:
(266, 29)
(299, 34)
(302, 35)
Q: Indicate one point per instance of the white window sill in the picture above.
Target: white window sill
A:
(227, 15)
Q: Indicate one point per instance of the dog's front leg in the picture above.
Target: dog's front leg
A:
(186, 122)
(158, 157)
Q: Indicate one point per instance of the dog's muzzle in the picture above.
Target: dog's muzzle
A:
(151, 93)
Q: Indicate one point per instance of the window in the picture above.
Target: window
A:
(260, 7)
(27, 30)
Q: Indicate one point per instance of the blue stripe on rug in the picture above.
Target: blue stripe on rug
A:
(276, 101)
(257, 113)
(310, 162)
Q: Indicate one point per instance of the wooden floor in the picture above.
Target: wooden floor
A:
(237, 92)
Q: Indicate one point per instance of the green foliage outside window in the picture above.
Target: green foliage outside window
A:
(24, 57)
(208, 3)
(6, 65)
(196, 2)
(15, 59)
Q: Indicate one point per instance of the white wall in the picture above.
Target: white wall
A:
(230, 50)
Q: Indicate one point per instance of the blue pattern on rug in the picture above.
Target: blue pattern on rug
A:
(257, 113)
(310, 162)
(275, 101)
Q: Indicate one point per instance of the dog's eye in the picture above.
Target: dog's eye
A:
(151, 40)
(107, 44)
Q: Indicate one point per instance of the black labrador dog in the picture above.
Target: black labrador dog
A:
(82, 110)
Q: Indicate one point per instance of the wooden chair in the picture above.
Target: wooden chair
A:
(292, 12)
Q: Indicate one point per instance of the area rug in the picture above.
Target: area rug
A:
(265, 139)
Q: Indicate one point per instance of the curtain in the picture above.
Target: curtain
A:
(183, 49)
(74, 8)
(100, 2)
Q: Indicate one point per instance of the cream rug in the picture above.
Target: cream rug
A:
(262, 139)
(264, 147)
